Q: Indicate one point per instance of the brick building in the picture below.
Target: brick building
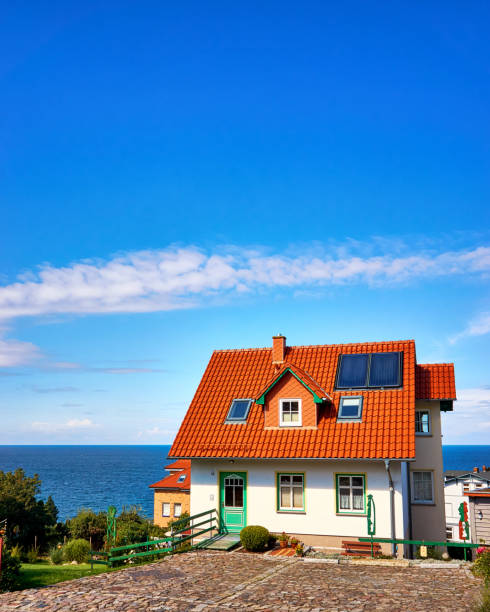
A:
(172, 493)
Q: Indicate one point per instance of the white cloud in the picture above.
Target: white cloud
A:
(470, 421)
(72, 425)
(479, 326)
(17, 353)
(171, 278)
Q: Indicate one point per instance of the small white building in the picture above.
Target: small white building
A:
(457, 484)
(297, 439)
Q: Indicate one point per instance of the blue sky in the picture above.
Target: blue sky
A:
(180, 178)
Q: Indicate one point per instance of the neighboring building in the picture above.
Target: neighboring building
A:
(479, 515)
(296, 438)
(172, 493)
(457, 484)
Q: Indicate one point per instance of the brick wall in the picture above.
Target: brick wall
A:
(171, 497)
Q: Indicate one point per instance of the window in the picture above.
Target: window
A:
(350, 409)
(181, 478)
(466, 488)
(372, 370)
(291, 492)
(177, 510)
(422, 490)
(449, 533)
(351, 493)
(238, 411)
(422, 422)
(234, 491)
(290, 412)
(165, 509)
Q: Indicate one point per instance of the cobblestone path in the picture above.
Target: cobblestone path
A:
(223, 581)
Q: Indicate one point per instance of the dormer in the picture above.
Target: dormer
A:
(292, 397)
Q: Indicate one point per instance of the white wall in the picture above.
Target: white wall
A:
(320, 517)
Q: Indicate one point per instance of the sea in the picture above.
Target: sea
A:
(99, 476)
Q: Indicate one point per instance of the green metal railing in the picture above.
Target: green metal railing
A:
(419, 543)
(181, 531)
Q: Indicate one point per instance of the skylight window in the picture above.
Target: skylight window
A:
(238, 411)
(181, 478)
(350, 408)
(374, 370)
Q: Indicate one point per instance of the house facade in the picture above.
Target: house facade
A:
(172, 493)
(297, 438)
(479, 515)
(457, 485)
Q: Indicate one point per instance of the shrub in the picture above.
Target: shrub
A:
(32, 555)
(77, 550)
(481, 567)
(254, 537)
(9, 576)
(272, 540)
(16, 552)
(56, 555)
(89, 526)
(484, 604)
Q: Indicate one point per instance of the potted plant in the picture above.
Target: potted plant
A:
(299, 549)
(294, 542)
(283, 540)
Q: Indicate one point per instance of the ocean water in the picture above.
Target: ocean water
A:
(99, 476)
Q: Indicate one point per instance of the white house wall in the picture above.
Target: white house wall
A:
(320, 516)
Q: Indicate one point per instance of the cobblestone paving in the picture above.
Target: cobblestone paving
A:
(224, 581)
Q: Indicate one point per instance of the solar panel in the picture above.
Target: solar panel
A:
(352, 371)
(384, 370)
(239, 410)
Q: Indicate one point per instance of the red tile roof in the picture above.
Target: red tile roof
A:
(387, 429)
(172, 480)
(435, 381)
(180, 464)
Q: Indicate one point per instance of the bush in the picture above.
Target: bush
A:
(272, 540)
(16, 552)
(9, 576)
(77, 550)
(32, 555)
(481, 567)
(484, 604)
(254, 537)
(56, 555)
(89, 526)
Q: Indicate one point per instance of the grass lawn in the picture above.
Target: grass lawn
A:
(42, 573)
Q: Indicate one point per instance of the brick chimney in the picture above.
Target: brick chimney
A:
(278, 348)
(476, 470)
(484, 468)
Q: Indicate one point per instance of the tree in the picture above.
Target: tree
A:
(29, 519)
(89, 526)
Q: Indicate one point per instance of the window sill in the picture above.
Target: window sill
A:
(291, 511)
(364, 514)
(423, 435)
(422, 503)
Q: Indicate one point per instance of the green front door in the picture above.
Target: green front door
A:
(233, 500)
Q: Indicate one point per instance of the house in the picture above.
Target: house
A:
(172, 493)
(295, 438)
(457, 483)
(479, 515)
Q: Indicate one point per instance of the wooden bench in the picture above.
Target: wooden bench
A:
(360, 549)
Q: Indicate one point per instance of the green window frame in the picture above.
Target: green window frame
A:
(347, 493)
(287, 488)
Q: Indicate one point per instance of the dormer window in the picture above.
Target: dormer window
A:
(181, 478)
(238, 411)
(350, 408)
(290, 412)
(370, 370)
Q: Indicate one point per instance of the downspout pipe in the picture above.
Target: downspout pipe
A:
(392, 506)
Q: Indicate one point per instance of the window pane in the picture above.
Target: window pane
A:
(298, 497)
(350, 407)
(353, 371)
(294, 407)
(422, 486)
(239, 496)
(295, 417)
(357, 481)
(286, 417)
(165, 509)
(286, 407)
(384, 371)
(177, 509)
(285, 479)
(344, 481)
(229, 495)
(358, 499)
(298, 480)
(344, 495)
(285, 497)
(239, 409)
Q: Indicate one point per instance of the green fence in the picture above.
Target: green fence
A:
(184, 530)
(418, 543)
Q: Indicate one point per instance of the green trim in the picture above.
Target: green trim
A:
(278, 492)
(337, 500)
(261, 400)
(231, 527)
